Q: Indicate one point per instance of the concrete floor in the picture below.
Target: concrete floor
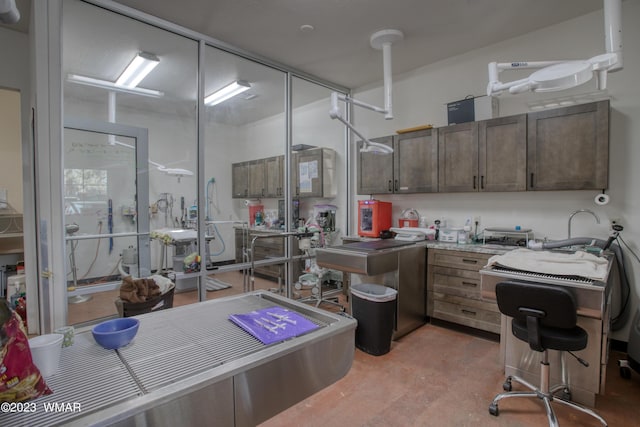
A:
(439, 377)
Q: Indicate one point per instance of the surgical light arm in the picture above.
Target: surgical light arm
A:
(336, 113)
(380, 40)
(553, 75)
(561, 75)
(9, 13)
(169, 171)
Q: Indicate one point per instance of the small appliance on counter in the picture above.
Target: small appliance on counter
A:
(325, 216)
(256, 213)
(409, 218)
(449, 235)
(374, 216)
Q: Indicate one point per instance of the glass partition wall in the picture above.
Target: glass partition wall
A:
(244, 146)
(270, 163)
(101, 177)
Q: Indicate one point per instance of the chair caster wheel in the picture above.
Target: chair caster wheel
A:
(566, 395)
(507, 385)
(493, 409)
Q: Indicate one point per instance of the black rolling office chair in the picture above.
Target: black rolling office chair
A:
(545, 317)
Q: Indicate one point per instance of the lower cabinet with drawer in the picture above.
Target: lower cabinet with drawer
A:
(453, 290)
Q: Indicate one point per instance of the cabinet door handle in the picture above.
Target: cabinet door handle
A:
(469, 312)
(263, 192)
(531, 180)
(390, 187)
(470, 284)
(482, 182)
(474, 182)
(396, 185)
(470, 261)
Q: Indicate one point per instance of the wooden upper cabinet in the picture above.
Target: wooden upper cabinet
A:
(256, 178)
(458, 158)
(568, 148)
(240, 180)
(375, 171)
(502, 154)
(411, 168)
(274, 176)
(315, 173)
(415, 162)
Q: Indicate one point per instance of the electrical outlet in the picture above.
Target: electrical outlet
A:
(476, 220)
(615, 221)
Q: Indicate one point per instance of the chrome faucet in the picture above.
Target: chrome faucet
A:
(577, 212)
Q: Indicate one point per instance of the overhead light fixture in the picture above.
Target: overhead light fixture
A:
(128, 81)
(137, 69)
(380, 40)
(229, 91)
(561, 75)
(177, 172)
(9, 13)
(105, 84)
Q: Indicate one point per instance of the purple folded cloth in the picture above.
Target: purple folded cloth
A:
(273, 324)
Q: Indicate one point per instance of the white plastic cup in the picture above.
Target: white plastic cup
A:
(45, 352)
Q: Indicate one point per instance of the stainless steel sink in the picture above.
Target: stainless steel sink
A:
(369, 258)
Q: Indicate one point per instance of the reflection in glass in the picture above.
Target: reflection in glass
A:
(100, 193)
(244, 152)
(94, 172)
(318, 170)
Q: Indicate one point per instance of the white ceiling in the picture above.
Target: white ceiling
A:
(99, 44)
(338, 48)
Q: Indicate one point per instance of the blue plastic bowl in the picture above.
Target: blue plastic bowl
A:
(115, 333)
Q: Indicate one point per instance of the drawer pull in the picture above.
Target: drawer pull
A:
(468, 312)
(470, 261)
(470, 284)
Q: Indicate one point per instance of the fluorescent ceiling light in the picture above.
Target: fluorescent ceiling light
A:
(137, 69)
(105, 84)
(227, 92)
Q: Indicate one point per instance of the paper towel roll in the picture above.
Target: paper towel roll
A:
(602, 199)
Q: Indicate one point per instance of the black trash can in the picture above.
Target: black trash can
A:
(374, 307)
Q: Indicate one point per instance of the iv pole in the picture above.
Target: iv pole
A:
(380, 40)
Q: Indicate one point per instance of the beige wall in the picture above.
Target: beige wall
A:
(11, 147)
